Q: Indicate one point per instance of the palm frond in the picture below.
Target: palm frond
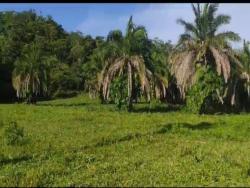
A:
(228, 36)
(184, 70)
(222, 63)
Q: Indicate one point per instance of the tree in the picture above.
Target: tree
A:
(30, 76)
(19, 29)
(245, 68)
(114, 36)
(202, 44)
(127, 62)
(240, 82)
(159, 52)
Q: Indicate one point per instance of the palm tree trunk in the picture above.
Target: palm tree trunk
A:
(101, 94)
(130, 88)
(34, 99)
(233, 101)
(29, 98)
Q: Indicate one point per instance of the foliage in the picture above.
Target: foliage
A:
(244, 70)
(202, 43)
(30, 76)
(202, 94)
(13, 134)
(39, 60)
(118, 93)
(130, 60)
(63, 80)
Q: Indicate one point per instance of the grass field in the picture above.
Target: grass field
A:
(78, 142)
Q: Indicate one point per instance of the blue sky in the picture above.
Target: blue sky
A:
(159, 19)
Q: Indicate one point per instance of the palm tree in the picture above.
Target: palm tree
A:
(245, 68)
(30, 76)
(161, 75)
(202, 44)
(127, 61)
(241, 75)
(97, 60)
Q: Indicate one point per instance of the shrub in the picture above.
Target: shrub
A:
(13, 134)
(118, 92)
(202, 94)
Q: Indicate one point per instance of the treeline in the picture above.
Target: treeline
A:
(39, 60)
(63, 63)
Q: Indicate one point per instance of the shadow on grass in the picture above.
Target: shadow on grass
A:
(5, 161)
(198, 126)
(128, 137)
(63, 105)
(155, 109)
(176, 126)
(168, 128)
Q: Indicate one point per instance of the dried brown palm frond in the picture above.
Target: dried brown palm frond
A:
(183, 68)
(222, 63)
(25, 83)
(144, 74)
(17, 82)
(109, 71)
(160, 86)
(129, 65)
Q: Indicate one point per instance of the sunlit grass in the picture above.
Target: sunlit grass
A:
(78, 142)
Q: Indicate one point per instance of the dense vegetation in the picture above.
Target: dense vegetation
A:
(39, 60)
(130, 117)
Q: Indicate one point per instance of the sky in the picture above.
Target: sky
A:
(97, 19)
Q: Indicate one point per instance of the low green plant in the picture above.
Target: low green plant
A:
(118, 91)
(13, 134)
(203, 93)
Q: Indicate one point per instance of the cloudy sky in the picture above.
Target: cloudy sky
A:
(158, 18)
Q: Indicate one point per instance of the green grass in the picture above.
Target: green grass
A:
(78, 142)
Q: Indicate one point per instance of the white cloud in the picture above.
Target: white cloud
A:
(160, 20)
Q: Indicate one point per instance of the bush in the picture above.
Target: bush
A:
(13, 134)
(118, 92)
(202, 94)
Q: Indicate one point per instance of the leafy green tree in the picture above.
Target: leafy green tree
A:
(159, 52)
(114, 36)
(201, 96)
(19, 29)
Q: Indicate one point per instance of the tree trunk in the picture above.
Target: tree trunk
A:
(130, 88)
(233, 100)
(130, 104)
(28, 101)
(34, 99)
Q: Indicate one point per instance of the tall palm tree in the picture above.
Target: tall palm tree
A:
(127, 61)
(30, 76)
(161, 74)
(241, 74)
(245, 68)
(203, 44)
